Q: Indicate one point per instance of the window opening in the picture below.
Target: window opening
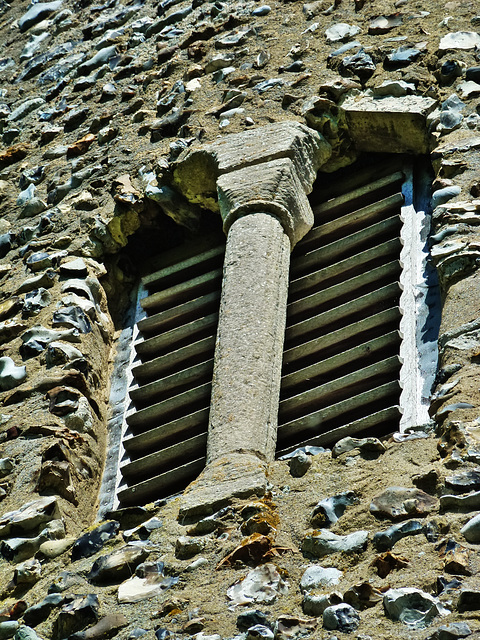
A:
(165, 435)
(360, 343)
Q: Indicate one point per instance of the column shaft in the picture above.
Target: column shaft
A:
(249, 348)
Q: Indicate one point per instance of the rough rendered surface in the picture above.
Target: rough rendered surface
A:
(98, 102)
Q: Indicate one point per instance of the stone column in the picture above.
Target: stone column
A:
(265, 212)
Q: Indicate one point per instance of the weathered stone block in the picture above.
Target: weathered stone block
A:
(388, 124)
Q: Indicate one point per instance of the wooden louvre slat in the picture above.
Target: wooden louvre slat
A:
(342, 268)
(166, 483)
(165, 440)
(341, 358)
(174, 360)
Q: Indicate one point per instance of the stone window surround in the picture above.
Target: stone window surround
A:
(262, 178)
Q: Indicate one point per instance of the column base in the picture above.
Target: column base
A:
(234, 475)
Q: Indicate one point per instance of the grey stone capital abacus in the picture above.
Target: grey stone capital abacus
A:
(262, 180)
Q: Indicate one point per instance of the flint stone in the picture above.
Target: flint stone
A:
(341, 32)
(18, 549)
(5, 243)
(360, 65)
(118, 565)
(364, 444)
(46, 280)
(460, 40)
(396, 88)
(25, 108)
(413, 607)
(384, 24)
(59, 353)
(105, 628)
(287, 627)
(8, 629)
(471, 530)
(36, 339)
(468, 503)
(143, 531)
(7, 465)
(315, 605)
(28, 572)
(93, 541)
(329, 510)
(97, 60)
(10, 375)
(263, 10)
(72, 316)
(187, 547)
(399, 503)
(402, 57)
(148, 582)
(29, 516)
(39, 612)
(74, 268)
(464, 481)
(35, 301)
(317, 576)
(384, 540)
(299, 464)
(469, 90)
(250, 618)
(375, 124)
(444, 195)
(55, 548)
(451, 631)
(38, 12)
(74, 616)
(259, 631)
(341, 617)
(25, 633)
(323, 542)
(263, 584)
(469, 600)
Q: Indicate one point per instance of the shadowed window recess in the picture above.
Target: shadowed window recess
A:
(360, 344)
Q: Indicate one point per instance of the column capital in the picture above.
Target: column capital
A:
(269, 169)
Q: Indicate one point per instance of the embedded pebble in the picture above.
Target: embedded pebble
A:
(263, 10)
(91, 542)
(250, 618)
(38, 12)
(10, 375)
(341, 617)
(468, 502)
(323, 542)
(413, 607)
(299, 464)
(187, 547)
(460, 40)
(385, 540)
(341, 32)
(35, 301)
(262, 585)
(471, 530)
(317, 576)
(360, 65)
(118, 565)
(315, 605)
(329, 510)
(399, 503)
